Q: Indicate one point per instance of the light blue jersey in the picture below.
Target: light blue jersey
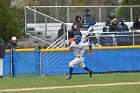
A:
(79, 49)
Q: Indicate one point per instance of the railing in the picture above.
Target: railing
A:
(115, 38)
(43, 29)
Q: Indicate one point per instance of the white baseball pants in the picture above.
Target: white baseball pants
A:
(79, 61)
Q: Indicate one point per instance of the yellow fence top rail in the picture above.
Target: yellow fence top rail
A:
(22, 50)
(67, 49)
(93, 48)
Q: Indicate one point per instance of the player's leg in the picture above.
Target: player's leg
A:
(1, 68)
(71, 65)
(82, 64)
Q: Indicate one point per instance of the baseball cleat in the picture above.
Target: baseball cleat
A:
(90, 73)
(68, 77)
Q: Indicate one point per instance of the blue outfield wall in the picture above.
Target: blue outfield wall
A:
(101, 61)
(25, 63)
(110, 60)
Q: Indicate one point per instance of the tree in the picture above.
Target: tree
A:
(7, 3)
(9, 26)
(125, 12)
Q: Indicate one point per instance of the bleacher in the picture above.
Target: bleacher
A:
(38, 29)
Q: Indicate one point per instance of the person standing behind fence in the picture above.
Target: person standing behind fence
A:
(78, 23)
(86, 25)
(114, 27)
(13, 43)
(90, 37)
(2, 54)
(90, 19)
(111, 16)
(136, 24)
(106, 38)
(74, 31)
(61, 30)
(122, 25)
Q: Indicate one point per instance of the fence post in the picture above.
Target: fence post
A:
(38, 61)
(12, 63)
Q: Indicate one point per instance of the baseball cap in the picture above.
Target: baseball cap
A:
(14, 38)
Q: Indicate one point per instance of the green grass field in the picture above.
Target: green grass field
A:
(80, 79)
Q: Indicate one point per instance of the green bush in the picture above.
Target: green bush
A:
(9, 24)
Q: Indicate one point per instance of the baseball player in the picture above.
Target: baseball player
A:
(78, 48)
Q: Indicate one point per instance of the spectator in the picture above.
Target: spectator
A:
(106, 38)
(114, 27)
(123, 26)
(78, 23)
(123, 39)
(86, 25)
(136, 24)
(71, 37)
(90, 19)
(61, 30)
(111, 16)
(2, 54)
(13, 43)
(91, 36)
(74, 32)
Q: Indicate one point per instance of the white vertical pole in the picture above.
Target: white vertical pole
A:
(100, 16)
(35, 15)
(45, 27)
(68, 16)
(25, 21)
(64, 34)
(131, 13)
(133, 38)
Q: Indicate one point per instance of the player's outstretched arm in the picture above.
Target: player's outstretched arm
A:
(90, 50)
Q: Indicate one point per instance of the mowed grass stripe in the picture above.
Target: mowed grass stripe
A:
(80, 79)
(75, 86)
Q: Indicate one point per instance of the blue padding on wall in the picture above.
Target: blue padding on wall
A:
(58, 62)
(6, 64)
(25, 62)
(55, 62)
(116, 60)
(101, 61)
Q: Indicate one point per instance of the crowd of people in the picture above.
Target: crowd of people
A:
(87, 22)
